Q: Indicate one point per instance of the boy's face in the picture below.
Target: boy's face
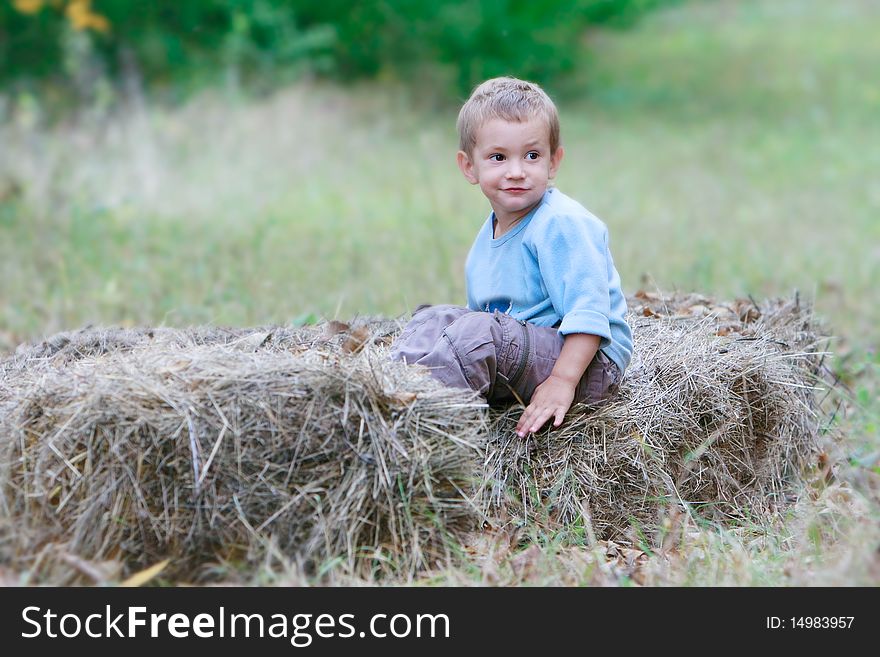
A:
(512, 164)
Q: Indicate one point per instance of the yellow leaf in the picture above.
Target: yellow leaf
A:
(81, 16)
(144, 576)
(28, 6)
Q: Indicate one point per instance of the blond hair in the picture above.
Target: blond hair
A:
(509, 99)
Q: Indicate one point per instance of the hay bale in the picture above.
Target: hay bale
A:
(221, 447)
(717, 414)
(238, 447)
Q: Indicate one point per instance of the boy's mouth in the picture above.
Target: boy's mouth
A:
(515, 190)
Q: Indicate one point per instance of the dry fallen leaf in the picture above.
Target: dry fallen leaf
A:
(334, 327)
(746, 310)
(253, 341)
(356, 340)
(144, 576)
(825, 464)
(727, 328)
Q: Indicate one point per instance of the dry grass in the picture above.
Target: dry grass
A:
(235, 451)
(717, 415)
(214, 447)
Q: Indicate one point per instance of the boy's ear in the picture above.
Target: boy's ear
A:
(467, 167)
(556, 160)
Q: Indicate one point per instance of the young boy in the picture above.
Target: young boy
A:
(545, 318)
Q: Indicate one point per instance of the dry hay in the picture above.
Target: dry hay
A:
(718, 415)
(228, 447)
(249, 447)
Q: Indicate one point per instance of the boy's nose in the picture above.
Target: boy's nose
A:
(514, 170)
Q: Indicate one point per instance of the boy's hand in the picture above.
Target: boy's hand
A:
(552, 398)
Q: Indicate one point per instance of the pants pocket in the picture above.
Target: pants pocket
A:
(526, 357)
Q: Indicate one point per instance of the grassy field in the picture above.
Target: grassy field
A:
(731, 147)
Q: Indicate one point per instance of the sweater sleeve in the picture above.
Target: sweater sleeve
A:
(471, 302)
(572, 258)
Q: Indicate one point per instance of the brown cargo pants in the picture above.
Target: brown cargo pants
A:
(502, 358)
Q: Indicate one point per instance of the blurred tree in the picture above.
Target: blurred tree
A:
(168, 39)
(475, 40)
(274, 40)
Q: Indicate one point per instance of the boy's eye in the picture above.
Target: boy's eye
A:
(496, 157)
(532, 155)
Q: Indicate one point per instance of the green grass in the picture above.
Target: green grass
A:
(731, 147)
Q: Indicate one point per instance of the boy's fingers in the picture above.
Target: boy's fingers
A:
(546, 415)
(533, 418)
(523, 422)
(529, 420)
(560, 416)
(542, 418)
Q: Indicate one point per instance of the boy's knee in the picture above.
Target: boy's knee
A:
(423, 330)
(439, 309)
(473, 331)
(464, 354)
(434, 319)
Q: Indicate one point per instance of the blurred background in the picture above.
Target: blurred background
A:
(250, 162)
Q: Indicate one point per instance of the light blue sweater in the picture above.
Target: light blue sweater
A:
(553, 268)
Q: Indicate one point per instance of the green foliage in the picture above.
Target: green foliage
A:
(471, 41)
(169, 41)
(456, 43)
(30, 45)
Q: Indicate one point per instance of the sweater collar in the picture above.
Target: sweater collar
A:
(520, 226)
